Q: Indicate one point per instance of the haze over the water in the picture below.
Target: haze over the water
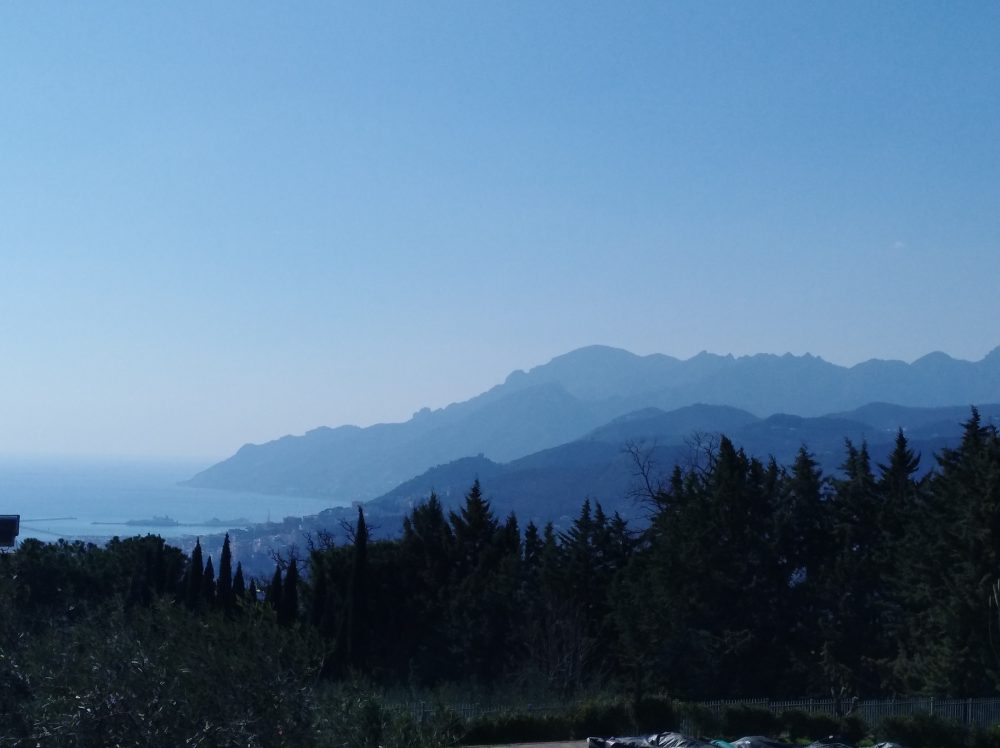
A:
(224, 223)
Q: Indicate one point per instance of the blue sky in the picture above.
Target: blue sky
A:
(224, 222)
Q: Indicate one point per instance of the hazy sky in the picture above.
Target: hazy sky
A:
(224, 222)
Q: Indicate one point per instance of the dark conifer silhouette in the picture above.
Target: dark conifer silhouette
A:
(196, 569)
(224, 586)
(208, 583)
(273, 594)
(288, 608)
(354, 631)
(239, 590)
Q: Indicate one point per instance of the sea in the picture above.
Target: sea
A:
(98, 499)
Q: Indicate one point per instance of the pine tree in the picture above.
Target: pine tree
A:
(854, 583)
(474, 528)
(426, 551)
(949, 644)
(897, 483)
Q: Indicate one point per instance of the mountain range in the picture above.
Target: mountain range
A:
(564, 423)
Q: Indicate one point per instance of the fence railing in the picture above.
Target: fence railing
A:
(981, 712)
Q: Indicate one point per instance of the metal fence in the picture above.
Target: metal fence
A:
(982, 712)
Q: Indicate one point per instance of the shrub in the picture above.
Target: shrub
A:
(655, 714)
(517, 727)
(853, 728)
(800, 724)
(748, 720)
(701, 719)
(923, 730)
(988, 738)
(601, 718)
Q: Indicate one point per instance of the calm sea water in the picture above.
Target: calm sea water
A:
(64, 498)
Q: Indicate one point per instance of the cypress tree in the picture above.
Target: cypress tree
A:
(239, 590)
(352, 640)
(208, 583)
(225, 584)
(195, 572)
(288, 608)
(273, 594)
(253, 595)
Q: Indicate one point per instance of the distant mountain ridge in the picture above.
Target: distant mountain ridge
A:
(550, 485)
(577, 393)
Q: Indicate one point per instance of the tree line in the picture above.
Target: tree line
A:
(748, 579)
(751, 579)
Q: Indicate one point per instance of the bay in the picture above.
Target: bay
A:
(64, 498)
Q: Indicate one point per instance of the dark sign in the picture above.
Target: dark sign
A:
(10, 526)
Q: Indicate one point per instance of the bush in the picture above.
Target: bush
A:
(702, 720)
(655, 714)
(923, 730)
(853, 727)
(517, 728)
(354, 716)
(741, 720)
(798, 724)
(601, 718)
(988, 738)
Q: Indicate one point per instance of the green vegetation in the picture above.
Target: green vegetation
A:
(750, 580)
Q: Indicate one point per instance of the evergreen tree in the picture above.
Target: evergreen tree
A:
(948, 645)
(854, 584)
(898, 485)
(196, 569)
(239, 589)
(532, 549)
(253, 594)
(208, 583)
(272, 597)
(352, 640)
(474, 530)
(288, 608)
(802, 540)
(483, 580)
(224, 587)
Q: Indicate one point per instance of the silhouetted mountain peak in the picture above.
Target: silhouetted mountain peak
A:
(934, 358)
(993, 357)
(571, 396)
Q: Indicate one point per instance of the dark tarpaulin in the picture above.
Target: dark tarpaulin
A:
(661, 740)
(758, 741)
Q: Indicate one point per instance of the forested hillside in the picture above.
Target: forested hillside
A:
(751, 579)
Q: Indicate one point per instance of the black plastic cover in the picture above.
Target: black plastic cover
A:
(660, 740)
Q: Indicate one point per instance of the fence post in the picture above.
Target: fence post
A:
(932, 706)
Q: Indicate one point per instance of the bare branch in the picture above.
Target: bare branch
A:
(703, 452)
(649, 488)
